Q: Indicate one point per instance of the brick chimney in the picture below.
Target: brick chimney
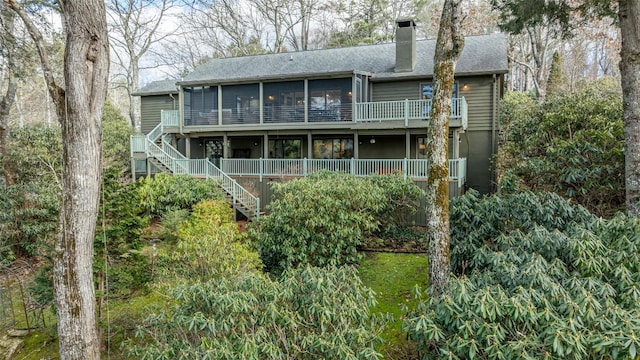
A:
(405, 45)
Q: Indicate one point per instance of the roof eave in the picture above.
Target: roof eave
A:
(328, 74)
(378, 78)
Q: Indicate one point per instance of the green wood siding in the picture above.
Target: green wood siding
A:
(478, 94)
(150, 108)
(400, 90)
(479, 98)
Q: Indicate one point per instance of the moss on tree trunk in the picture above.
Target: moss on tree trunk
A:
(448, 48)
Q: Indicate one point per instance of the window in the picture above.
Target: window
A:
(333, 148)
(285, 149)
(284, 102)
(241, 104)
(200, 104)
(329, 100)
(427, 90)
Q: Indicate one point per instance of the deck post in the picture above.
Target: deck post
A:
(353, 166)
(406, 112)
(261, 168)
(405, 168)
(304, 167)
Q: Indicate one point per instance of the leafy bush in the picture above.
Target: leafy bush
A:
(164, 192)
(572, 144)
(210, 246)
(477, 221)
(117, 239)
(30, 201)
(310, 313)
(170, 222)
(402, 200)
(553, 284)
(319, 220)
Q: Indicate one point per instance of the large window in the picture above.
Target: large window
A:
(283, 102)
(333, 148)
(330, 100)
(200, 105)
(285, 149)
(241, 104)
(427, 90)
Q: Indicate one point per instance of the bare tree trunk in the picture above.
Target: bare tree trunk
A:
(79, 110)
(448, 48)
(9, 97)
(629, 15)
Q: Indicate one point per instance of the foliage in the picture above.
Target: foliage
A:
(170, 222)
(164, 192)
(30, 201)
(516, 16)
(398, 237)
(556, 81)
(402, 199)
(310, 313)
(210, 246)
(546, 280)
(42, 287)
(572, 144)
(116, 133)
(318, 220)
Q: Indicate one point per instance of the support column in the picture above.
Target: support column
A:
(356, 145)
(225, 146)
(456, 144)
(219, 104)
(407, 145)
(261, 102)
(187, 146)
(309, 145)
(265, 146)
(306, 100)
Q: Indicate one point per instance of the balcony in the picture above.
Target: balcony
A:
(416, 169)
(404, 111)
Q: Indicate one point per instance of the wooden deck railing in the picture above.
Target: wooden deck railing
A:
(409, 168)
(403, 110)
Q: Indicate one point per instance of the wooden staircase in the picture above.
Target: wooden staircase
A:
(168, 159)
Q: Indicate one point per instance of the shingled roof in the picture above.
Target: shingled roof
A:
(160, 87)
(482, 54)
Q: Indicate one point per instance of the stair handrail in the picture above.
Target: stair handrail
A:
(174, 161)
(166, 159)
(231, 186)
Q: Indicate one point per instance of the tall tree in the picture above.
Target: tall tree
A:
(628, 13)
(629, 16)
(8, 79)
(134, 27)
(79, 106)
(448, 48)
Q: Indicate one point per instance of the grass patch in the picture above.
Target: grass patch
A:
(393, 277)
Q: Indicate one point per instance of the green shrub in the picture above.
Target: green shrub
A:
(319, 220)
(545, 280)
(477, 221)
(119, 267)
(402, 200)
(310, 313)
(30, 201)
(164, 192)
(209, 246)
(572, 144)
(170, 222)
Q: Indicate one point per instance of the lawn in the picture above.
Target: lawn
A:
(393, 276)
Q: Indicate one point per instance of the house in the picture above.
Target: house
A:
(361, 109)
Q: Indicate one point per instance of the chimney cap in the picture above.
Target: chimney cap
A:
(406, 22)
